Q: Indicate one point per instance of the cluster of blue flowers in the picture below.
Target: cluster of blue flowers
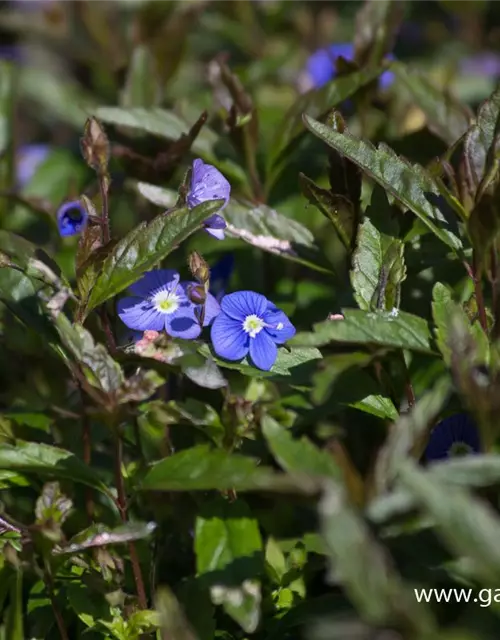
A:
(243, 323)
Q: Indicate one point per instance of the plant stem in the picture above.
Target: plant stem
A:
(108, 332)
(410, 393)
(478, 289)
(57, 614)
(122, 508)
(104, 187)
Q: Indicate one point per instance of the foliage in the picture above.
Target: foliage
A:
(154, 488)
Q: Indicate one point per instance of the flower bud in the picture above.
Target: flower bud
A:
(197, 294)
(95, 146)
(199, 268)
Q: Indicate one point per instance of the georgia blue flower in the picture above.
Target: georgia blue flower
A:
(160, 302)
(208, 183)
(28, 159)
(71, 218)
(454, 436)
(220, 275)
(320, 66)
(250, 324)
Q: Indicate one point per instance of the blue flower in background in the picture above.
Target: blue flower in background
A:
(454, 436)
(71, 218)
(250, 324)
(321, 68)
(220, 275)
(160, 302)
(485, 64)
(28, 158)
(208, 183)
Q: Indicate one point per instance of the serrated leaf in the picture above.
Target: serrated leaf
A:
(409, 184)
(446, 117)
(468, 525)
(297, 455)
(98, 535)
(100, 369)
(378, 268)
(229, 556)
(363, 567)
(397, 330)
(144, 247)
(480, 153)
(47, 461)
(259, 226)
(203, 468)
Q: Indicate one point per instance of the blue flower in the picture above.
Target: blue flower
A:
(249, 323)
(28, 159)
(454, 436)
(160, 302)
(321, 68)
(71, 218)
(208, 183)
(220, 275)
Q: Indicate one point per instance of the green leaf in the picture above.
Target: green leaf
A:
(203, 468)
(47, 461)
(228, 549)
(408, 436)
(363, 568)
(296, 363)
(198, 607)
(172, 620)
(144, 247)
(468, 526)
(480, 155)
(315, 103)
(409, 184)
(399, 330)
(89, 605)
(142, 85)
(167, 124)
(259, 226)
(300, 456)
(378, 267)
(98, 535)
(99, 367)
(468, 471)
(445, 116)
(336, 208)
(14, 627)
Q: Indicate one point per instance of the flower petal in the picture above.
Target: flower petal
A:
(215, 222)
(207, 183)
(182, 326)
(71, 218)
(153, 280)
(263, 351)
(212, 307)
(241, 304)
(280, 329)
(140, 315)
(218, 234)
(228, 338)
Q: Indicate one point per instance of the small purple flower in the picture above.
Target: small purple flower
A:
(28, 159)
(321, 68)
(71, 218)
(208, 183)
(485, 64)
(220, 275)
(454, 436)
(250, 323)
(160, 302)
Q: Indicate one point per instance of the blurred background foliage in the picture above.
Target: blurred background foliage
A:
(337, 523)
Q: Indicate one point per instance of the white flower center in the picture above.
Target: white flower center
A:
(253, 325)
(166, 301)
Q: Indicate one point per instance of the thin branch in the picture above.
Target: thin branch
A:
(57, 613)
(122, 508)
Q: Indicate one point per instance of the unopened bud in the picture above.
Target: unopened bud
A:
(95, 146)
(197, 294)
(199, 268)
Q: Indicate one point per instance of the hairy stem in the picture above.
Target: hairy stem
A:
(122, 508)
